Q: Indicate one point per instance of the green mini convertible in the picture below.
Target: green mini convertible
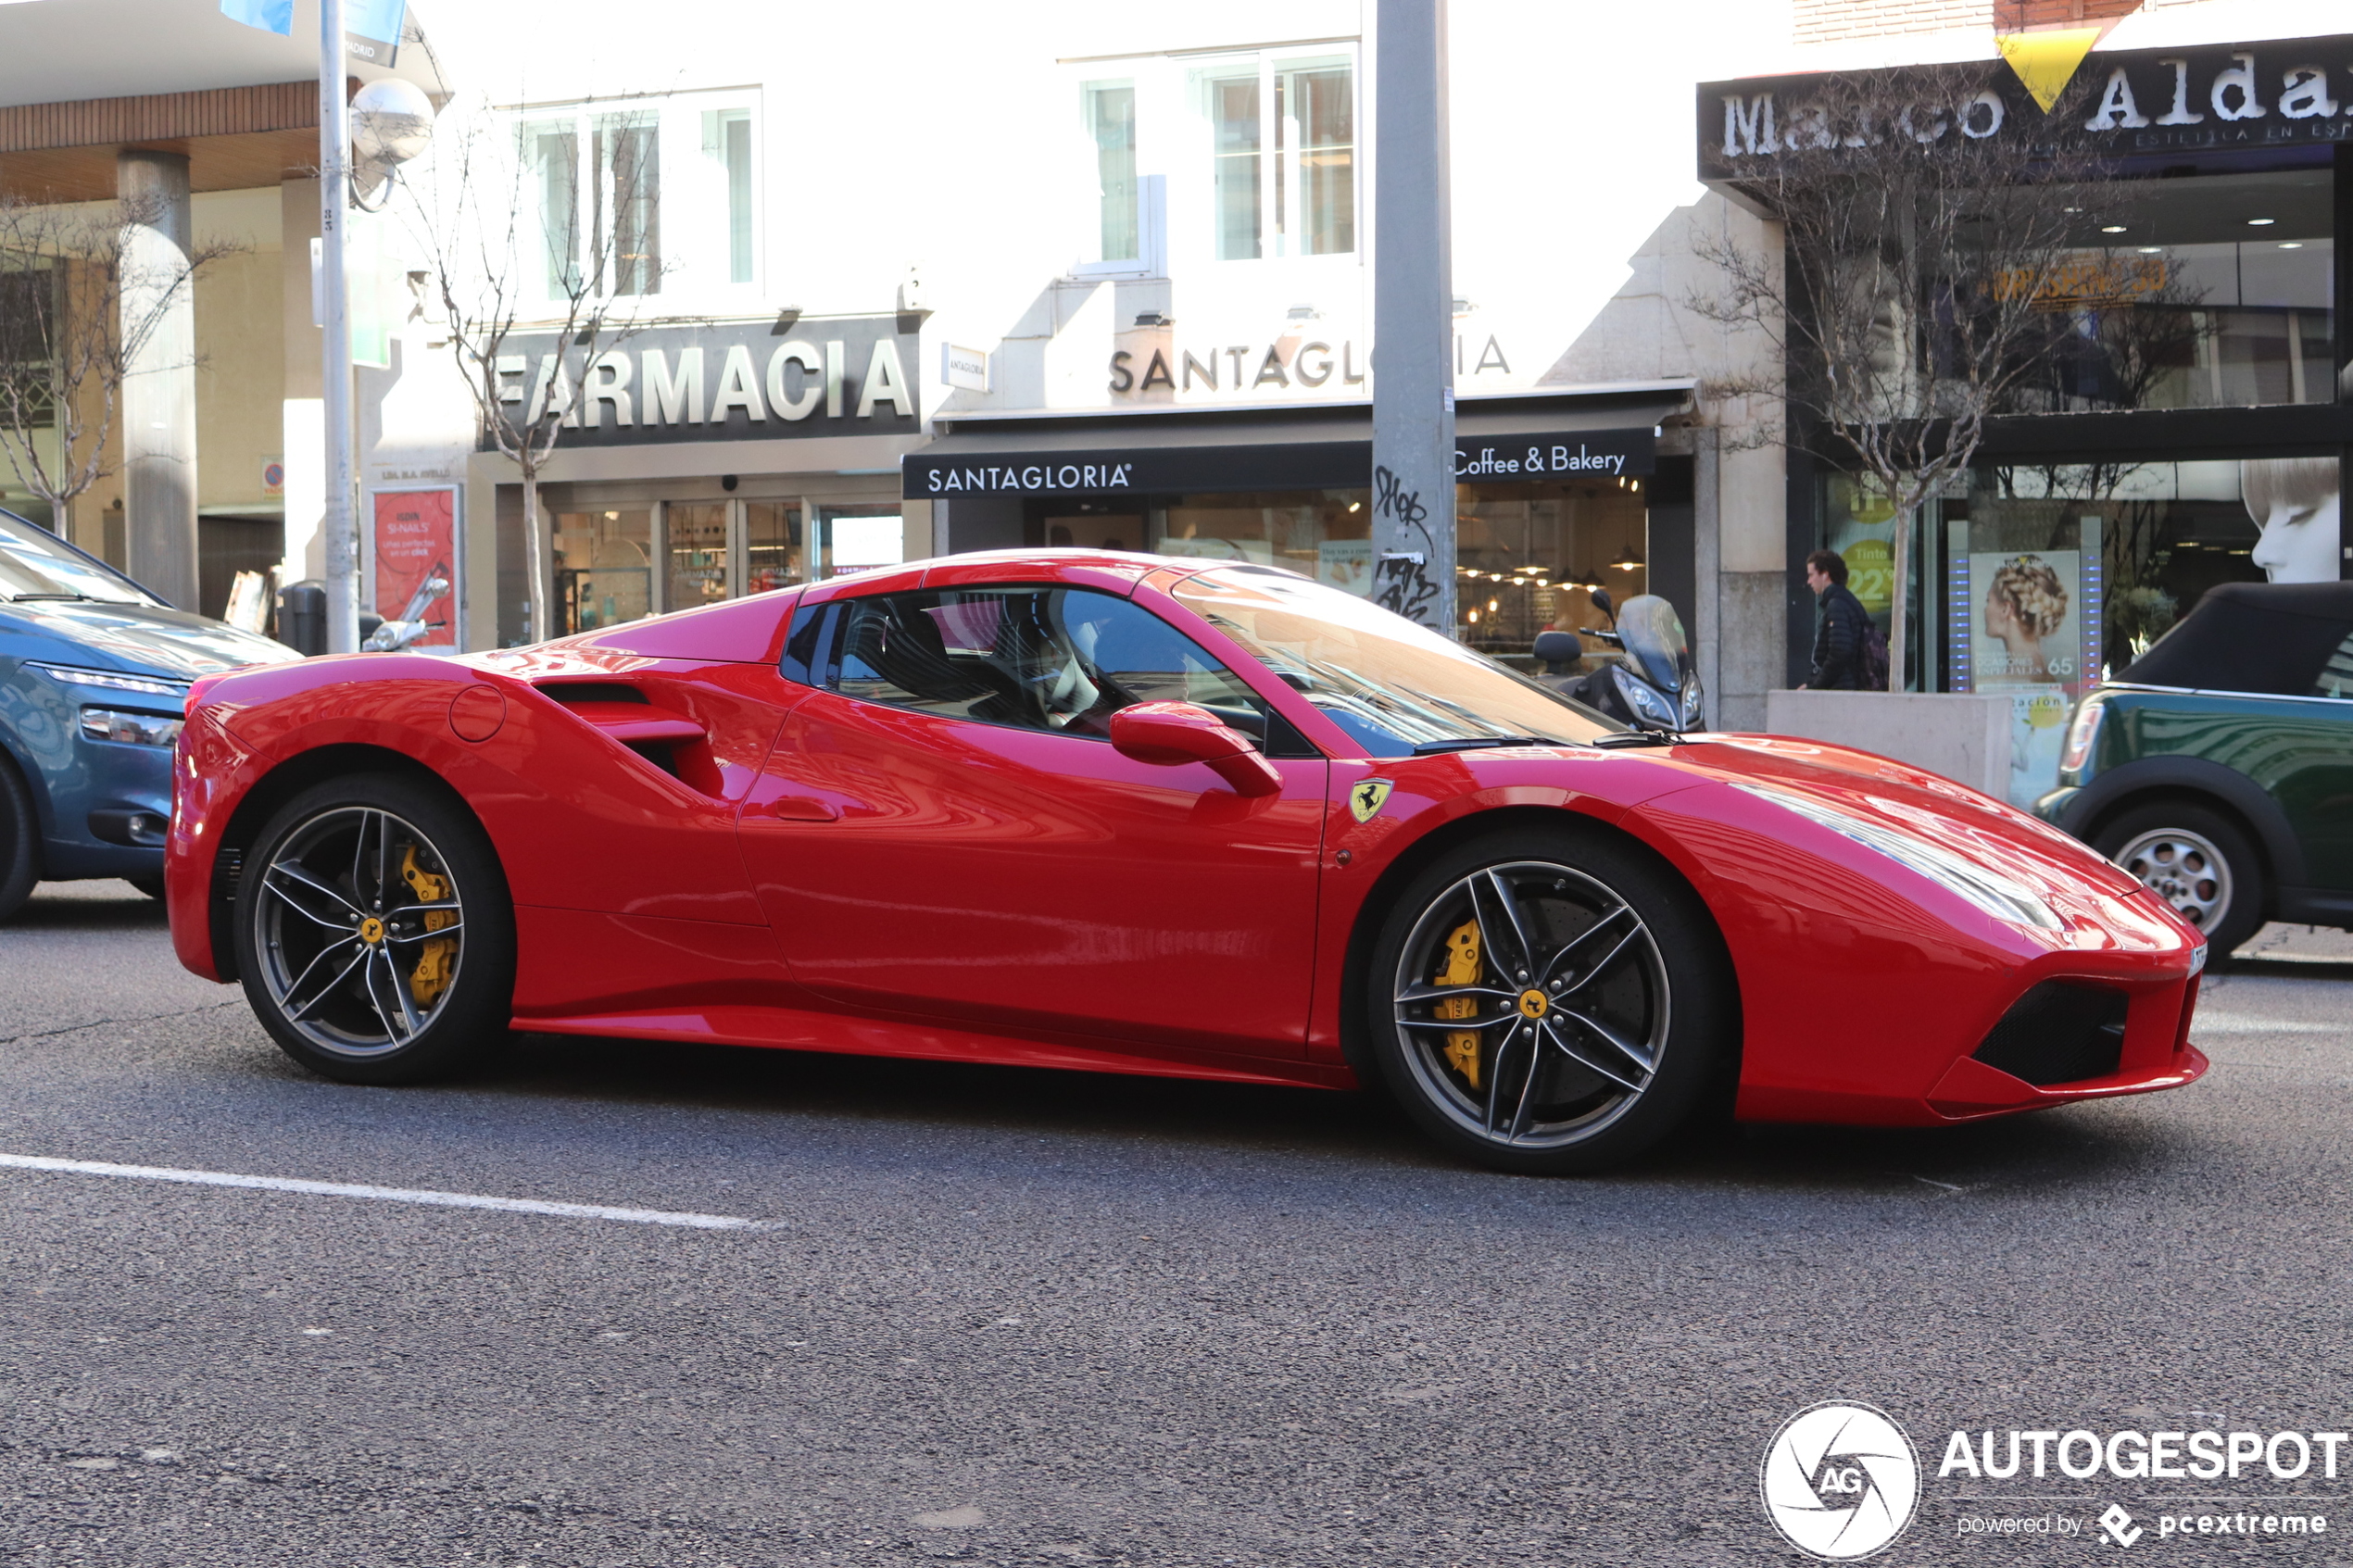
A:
(2219, 767)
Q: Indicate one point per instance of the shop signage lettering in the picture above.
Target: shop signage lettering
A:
(1556, 457)
(1279, 366)
(721, 381)
(1039, 477)
(2145, 101)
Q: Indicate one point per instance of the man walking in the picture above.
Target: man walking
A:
(1840, 624)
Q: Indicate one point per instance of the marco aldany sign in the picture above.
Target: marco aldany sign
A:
(2147, 103)
(754, 381)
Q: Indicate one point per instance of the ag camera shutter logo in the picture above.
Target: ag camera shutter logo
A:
(1841, 1481)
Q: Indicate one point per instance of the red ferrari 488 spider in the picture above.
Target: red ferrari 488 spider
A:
(1076, 809)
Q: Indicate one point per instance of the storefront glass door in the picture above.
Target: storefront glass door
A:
(696, 534)
(604, 569)
(772, 547)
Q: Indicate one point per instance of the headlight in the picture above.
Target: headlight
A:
(2080, 736)
(1647, 705)
(1998, 896)
(1690, 702)
(106, 679)
(128, 729)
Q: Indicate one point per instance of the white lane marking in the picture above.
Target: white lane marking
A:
(2228, 1025)
(380, 1195)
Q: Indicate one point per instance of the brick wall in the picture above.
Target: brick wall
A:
(1824, 22)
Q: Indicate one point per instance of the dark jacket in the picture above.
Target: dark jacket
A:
(1839, 621)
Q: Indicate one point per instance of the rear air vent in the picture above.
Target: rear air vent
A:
(2059, 1032)
(569, 692)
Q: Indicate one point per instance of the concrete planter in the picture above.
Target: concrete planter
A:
(1965, 738)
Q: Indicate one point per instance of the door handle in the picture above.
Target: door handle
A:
(803, 808)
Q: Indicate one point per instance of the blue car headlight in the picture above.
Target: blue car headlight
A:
(129, 729)
(110, 681)
(2001, 896)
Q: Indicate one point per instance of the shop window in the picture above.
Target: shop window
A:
(1528, 558)
(1282, 142)
(862, 538)
(1325, 534)
(2191, 293)
(604, 569)
(1110, 127)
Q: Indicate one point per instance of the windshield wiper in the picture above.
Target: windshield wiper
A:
(1480, 743)
(1636, 738)
(20, 598)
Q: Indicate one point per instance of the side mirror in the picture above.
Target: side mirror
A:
(1172, 734)
(1600, 601)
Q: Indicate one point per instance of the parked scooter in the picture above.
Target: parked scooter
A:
(1654, 687)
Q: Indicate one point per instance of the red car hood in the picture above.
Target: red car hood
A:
(1986, 830)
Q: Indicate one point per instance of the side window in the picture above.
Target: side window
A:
(1039, 659)
(2336, 676)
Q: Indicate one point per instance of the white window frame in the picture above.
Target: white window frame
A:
(693, 203)
(1152, 189)
(1279, 244)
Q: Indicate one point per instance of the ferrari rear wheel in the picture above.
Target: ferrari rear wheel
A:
(375, 934)
(1550, 1003)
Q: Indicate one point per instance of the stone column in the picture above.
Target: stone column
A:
(158, 320)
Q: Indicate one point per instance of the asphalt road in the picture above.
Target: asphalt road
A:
(1013, 1317)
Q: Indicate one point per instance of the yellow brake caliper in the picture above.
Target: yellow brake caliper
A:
(1461, 968)
(432, 973)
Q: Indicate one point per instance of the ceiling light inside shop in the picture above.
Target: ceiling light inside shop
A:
(2111, 228)
(2290, 244)
(1355, 505)
(2260, 222)
(2152, 250)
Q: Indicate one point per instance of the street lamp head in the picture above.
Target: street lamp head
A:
(391, 122)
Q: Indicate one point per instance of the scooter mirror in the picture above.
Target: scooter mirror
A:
(1601, 602)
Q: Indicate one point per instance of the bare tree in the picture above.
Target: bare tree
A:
(79, 303)
(1926, 233)
(546, 233)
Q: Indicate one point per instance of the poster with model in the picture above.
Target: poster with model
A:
(2026, 642)
(2294, 501)
(415, 540)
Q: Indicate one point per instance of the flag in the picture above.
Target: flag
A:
(270, 16)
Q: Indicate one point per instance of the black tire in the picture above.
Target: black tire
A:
(1649, 1044)
(2196, 859)
(343, 939)
(20, 840)
(151, 886)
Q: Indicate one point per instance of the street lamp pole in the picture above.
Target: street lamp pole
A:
(1413, 317)
(334, 205)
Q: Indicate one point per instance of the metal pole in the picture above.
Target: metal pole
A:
(1412, 316)
(335, 178)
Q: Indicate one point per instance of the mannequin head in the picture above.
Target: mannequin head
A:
(2294, 501)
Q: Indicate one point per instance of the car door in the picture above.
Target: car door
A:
(945, 829)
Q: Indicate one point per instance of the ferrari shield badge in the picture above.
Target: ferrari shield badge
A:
(1365, 800)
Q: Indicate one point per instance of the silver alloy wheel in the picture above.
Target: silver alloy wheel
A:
(360, 930)
(2183, 869)
(1568, 1004)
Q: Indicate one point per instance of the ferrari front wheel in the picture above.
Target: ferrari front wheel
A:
(374, 935)
(1550, 1003)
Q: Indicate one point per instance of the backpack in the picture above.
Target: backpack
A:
(1870, 658)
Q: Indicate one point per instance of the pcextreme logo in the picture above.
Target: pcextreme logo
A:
(1841, 1481)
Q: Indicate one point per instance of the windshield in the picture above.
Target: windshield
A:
(1390, 685)
(1654, 637)
(35, 564)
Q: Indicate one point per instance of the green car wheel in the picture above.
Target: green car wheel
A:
(2197, 861)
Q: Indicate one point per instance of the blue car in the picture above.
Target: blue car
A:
(93, 670)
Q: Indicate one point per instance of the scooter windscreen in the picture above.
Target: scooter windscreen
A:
(1652, 634)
